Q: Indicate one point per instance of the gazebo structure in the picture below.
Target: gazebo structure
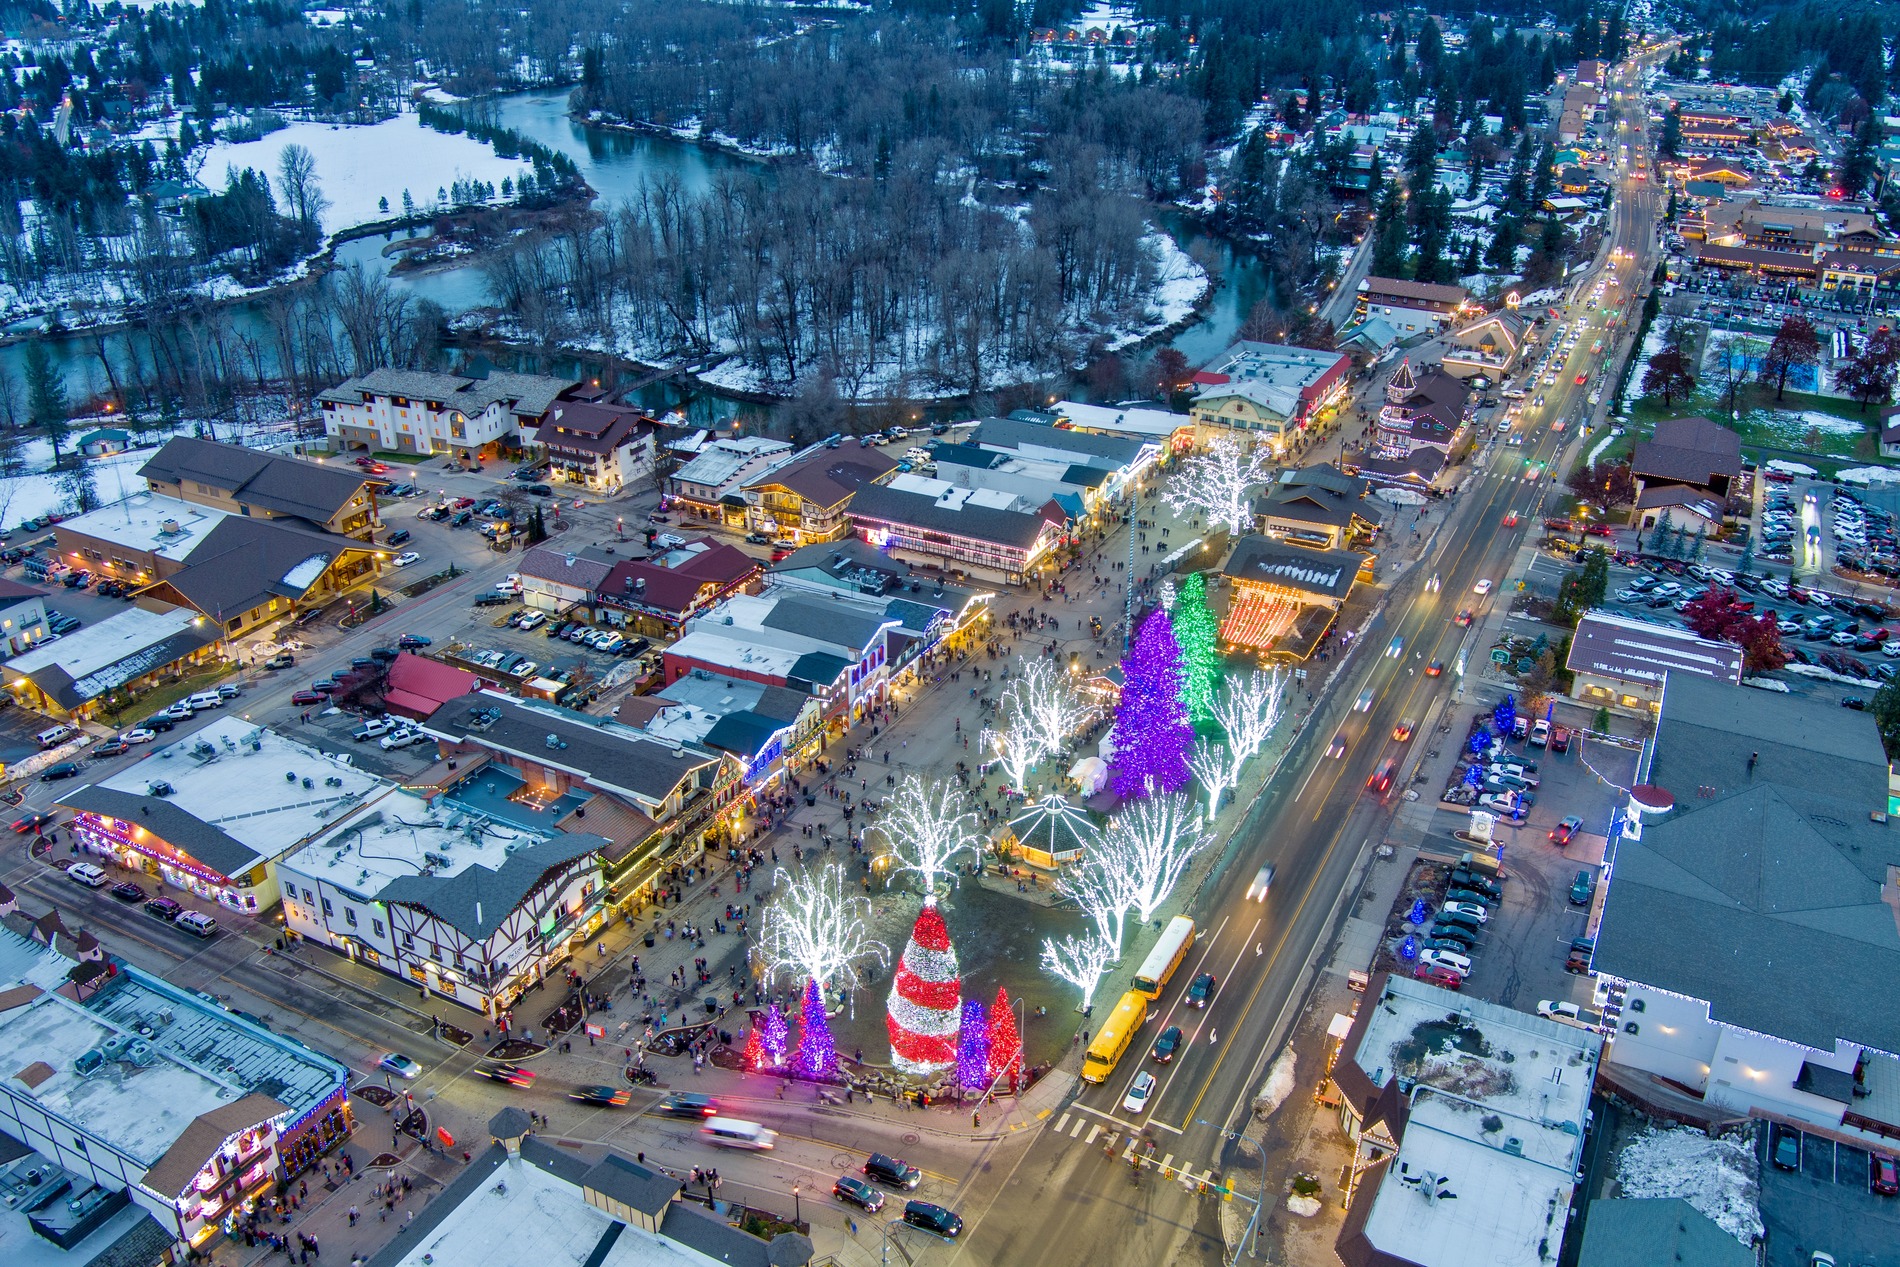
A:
(1048, 833)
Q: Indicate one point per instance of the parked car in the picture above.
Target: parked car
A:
(404, 559)
(1470, 910)
(64, 770)
(397, 537)
(402, 739)
(282, 660)
(163, 908)
(126, 891)
(1460, 964)
(110, 748)
(1559, 1010)
(374, 728)
(1787, 1154)
(1582, 889)
(303, 698)
(1883, 1175)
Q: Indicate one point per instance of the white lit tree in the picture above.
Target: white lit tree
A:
(815, 928)
(1219, 482)
(1080, 961)
(1248, 708)
(1037, 712)
(1213, 768)
(1151, 842)
(1103, 891)
(926, 824)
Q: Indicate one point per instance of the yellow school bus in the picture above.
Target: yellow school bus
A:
(1114, 1036)
(1167, 955)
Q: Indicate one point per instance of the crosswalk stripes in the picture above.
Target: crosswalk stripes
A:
(1094, 1130)
(1061, 1122)
(1131, 1145)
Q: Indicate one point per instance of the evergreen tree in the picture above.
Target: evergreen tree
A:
(1152, 734)
(1198, 634)
(45, 394)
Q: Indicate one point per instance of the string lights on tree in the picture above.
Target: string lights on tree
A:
(1079, 960)
(774, 1038)
(973, 1047)
(1152, 734)
(1212, 769)
(1152, 841)
(923, 1014)
(1219, 483)
(1198, 635)
(925, 825)
(1006, 1042)
(816, 929)
(1103, 891)
(817, 1053)
(1247, 710)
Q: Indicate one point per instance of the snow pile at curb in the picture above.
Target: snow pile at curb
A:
(1278, 1086)
(1791, 468)
(1868, 475)
(1305, 1207)
(1716, 1176)
(1828, 675)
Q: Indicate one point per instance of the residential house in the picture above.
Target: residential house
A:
(1320, 506)
(1379, 293)
(329, 498)
(1488, 346)
(601, 447)
(1622, 664)
(1268, 389)
(109, 664)
(1573, 180)
(22, 616)
(1748, 938)
(1690, 452)
(132, 1088)
(1469, 1159)
(805, 498)
(991, 536)
(1428, 409)
(707, 487)
(549, 769)
(1678, 506)
(657, 595)
(465, 416)
(105, 442)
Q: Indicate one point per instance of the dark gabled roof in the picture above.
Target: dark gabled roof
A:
(743, 734)
(1014, 433)
(565, 567)
(629, 1183)
(183, 831)
(1645, 1231)
(883, 504)
(59, 685)
(475, 900)
(1260, 559)
(603, 753)
(244, 562)
(1762, 893)
(969, 455)
(780, 704)
(674, 589)
(585, 427)
(825, 477)
(724, 1243)
(1688, 451)
(287, 486)
(12, 594)
(843, 624)
(817, 669)
(201, 1140)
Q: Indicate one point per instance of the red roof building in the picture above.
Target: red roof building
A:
(655, 596)
(417, 686)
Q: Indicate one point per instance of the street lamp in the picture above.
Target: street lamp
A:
(797, 1214)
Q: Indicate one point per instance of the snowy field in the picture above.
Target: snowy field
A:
(356, 166)
(1716, 1176)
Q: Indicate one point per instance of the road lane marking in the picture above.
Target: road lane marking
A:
(1093, 1132)
(1062, 1121)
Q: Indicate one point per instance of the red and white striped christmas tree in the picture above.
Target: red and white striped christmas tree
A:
(925, 1007)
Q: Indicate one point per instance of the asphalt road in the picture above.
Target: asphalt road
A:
(1062, 1200)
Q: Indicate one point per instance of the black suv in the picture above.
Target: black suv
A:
(1201, 990)
(933, 1219)
(893, 1173)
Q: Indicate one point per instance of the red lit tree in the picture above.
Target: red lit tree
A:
(924, 1009)
(1006, 1044)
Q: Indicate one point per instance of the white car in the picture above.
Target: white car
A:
(142, 734)
(1262, 881)
(1482, 587)
(1449, 959)
(404, 559)
(1136, 1101)
(1469, 909)
(403, 739)
(533, 620)
(400, 1065)
(1559, 1010)
(524, 669)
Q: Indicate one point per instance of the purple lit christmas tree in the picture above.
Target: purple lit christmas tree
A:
(817, 1054)
(973, 1047)
(1152, 735)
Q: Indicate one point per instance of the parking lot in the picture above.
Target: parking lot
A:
(1827, 1204)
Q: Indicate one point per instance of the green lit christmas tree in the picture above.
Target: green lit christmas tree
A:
(1198, 634)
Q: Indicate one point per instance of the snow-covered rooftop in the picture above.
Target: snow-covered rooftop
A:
(401, 835)
(248, 782)
(148, 523)
(111, 641)
(1135, 421)
(1484, 1170)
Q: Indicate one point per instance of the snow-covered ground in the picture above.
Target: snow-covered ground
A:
(1790, 468)
(1716, 1176)
(1279, 1085)
(1794, 424)
(357, 166)
(1868, 475)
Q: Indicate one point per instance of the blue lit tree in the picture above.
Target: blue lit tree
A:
(1152, 734)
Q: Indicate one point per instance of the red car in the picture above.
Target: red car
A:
(1437, 975)
(307, 697)
(463, 503)
(32, 822)
(1582, 379)
(1463, 618)
(1884, 1176)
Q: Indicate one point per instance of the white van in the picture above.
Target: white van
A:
(87, 874)
(206, 699)
(732, 1132)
